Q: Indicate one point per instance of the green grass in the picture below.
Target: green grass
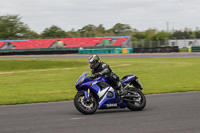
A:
(43, 80)
(183, 49)
(33, 64)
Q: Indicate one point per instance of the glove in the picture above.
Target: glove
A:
(97, 75)
(92, 77)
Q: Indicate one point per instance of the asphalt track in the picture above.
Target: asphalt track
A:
(164, 113)
(133, 55)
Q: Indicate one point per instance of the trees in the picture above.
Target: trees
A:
(195, 34)
(181, 34)
(162, 35)
(120, 28)
(72, 33)
(53, 31)
(87, 31)
(11, 27)
(100, 30)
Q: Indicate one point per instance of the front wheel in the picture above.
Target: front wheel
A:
(85, 106)
(135, 100)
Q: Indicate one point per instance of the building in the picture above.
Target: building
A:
(184, 43)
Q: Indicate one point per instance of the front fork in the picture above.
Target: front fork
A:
(88, 97)
(87, 94)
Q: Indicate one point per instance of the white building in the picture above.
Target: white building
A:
(184, 43)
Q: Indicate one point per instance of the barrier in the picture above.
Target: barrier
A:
(190, 49)
(156, 50)
(100, 51)
(124, 50)
(94, 51)
(129, 50)
(105, 51)
(64, 51)
(118, 50)
(56, 50)
(36, 51)
(195, 49)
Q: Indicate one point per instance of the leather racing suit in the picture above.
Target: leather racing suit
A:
(104, 70)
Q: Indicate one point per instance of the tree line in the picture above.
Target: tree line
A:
(11, 27)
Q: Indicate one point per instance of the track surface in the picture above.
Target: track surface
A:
(133, 55)
(164, 113)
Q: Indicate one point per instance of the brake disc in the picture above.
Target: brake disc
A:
(86, 105)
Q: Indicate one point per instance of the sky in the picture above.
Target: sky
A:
(139, 14)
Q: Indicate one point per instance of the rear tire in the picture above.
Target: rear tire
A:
(83, 106)
(138, 103)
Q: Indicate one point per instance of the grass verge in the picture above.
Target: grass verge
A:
(44, 80)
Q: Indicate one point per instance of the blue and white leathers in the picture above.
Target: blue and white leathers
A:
(106, 96)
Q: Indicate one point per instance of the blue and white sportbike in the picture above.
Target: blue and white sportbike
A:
(96, 93)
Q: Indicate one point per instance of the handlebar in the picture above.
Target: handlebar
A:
(92, 77)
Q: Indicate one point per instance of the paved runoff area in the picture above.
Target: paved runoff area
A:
(164, 113)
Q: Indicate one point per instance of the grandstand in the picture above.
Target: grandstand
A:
(120, 41)
(2, 43)
(32, 43)
(66, 42)
(63, 44)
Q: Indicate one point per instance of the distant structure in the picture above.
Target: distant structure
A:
(184, 43)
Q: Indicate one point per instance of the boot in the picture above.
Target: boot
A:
(118, 99)
(121, 90)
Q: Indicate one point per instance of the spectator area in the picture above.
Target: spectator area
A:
(2, 43)
(119, 41)
(67, 42)
(82, 42)
(33, 43)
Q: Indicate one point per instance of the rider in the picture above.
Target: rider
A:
(102, 69)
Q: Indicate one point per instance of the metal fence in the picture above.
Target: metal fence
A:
(149, 43)
(181, 43)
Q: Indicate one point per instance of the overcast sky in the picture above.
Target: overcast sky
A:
(139, 14)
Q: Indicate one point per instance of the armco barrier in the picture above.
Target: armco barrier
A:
(156, 50)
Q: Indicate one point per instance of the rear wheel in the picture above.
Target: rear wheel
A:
(135, 99)
(83, 105)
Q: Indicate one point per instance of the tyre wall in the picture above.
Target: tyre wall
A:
(156, 50)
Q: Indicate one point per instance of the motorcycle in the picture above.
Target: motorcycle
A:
(96, 93)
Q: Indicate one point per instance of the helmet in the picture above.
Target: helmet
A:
(94, 61)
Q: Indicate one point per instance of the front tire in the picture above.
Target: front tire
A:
(135, 104)
(84, 106)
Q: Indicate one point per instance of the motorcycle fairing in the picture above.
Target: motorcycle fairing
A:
(128, 78)
(105, 100)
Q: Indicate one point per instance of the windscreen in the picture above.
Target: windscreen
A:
(83, 74)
